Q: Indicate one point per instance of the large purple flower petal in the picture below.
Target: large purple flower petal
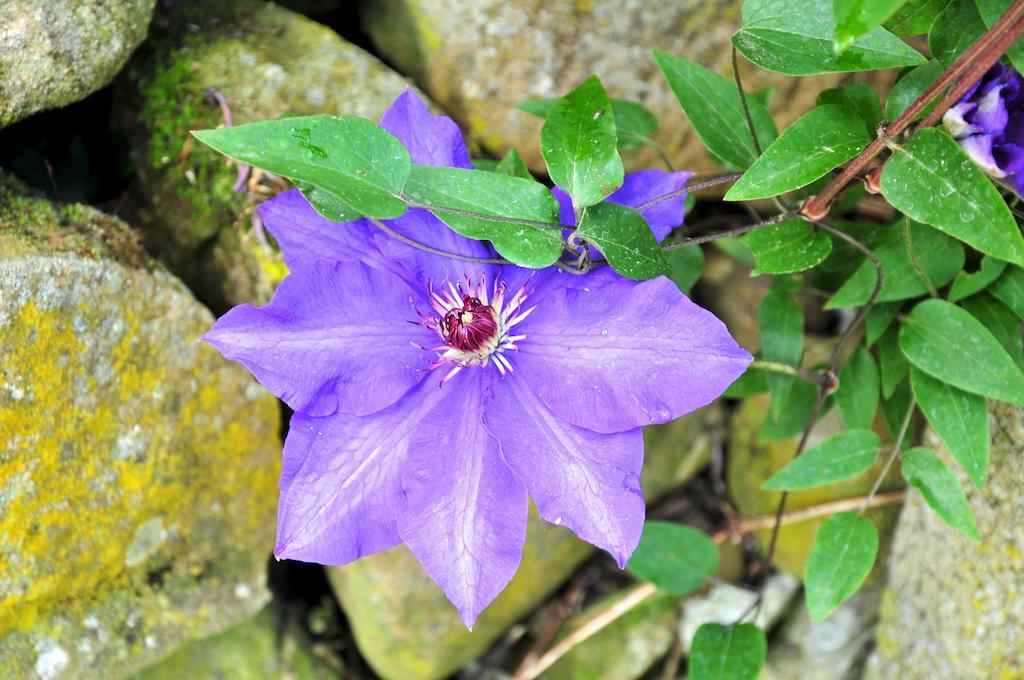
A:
(341, 491)
(586, 481)
(430, 139)
(336, 336)
(466, 515)
(625, 354)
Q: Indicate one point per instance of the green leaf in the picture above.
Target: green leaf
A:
(796, 38)
(791, 246)
(844, 551)
(855, 18)
(818, 141)
(782, 340)
(727, 652)
(634, 124)
(967, 285)
(495, 200)
(513, 165)
(736, 248)
(838, 458)
(911, 86)
(326, 203)
(957, 28)
(676, 558)
(579, 144)
(960, 419)
(924, 471)
(1009, 289)
(625, 238)
(857, 396)
(940, 257)
(1001, 321)
(948, 343)
(361, 165)
(893, 366)
(895, 407)
(916, 17)
(750, 383)
(991, 11)
(713, 107)
(685, 266)
(932, 180)
(879, 317)
(859, 98)
(792, 413)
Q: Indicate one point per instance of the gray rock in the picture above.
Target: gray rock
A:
(725, 603)
(406, 628)
(55, 53)
(954, 608)
(138, 469)
(265, 61)
(479, 58)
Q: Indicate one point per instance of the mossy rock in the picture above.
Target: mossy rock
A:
(479, 58)
(407, 629)
(752, 461)
(954, 608)
(55, 53)
(138, 469)
(266, 646)
(266, 62)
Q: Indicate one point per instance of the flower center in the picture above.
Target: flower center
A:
(475, 323)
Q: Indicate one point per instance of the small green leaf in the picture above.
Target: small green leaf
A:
(895, 407)
(836, 459)
(782, 340)
(940, 257)
(685, 266)
(634, 124)
(916, 17)
(967, 285)
(859, 98)
(793, 411)
(855, 18)
(911, 86)
(893, 366)
(857, 396)
(676, 558)
(625, 238)
(713, 107)
(361, 165)
(750, 383)
(796, 38)
(579, 144)
(791, 246)
(991, 11)
(879, 317)
(960, 419)
(727, 652)
(954, 31)
(948, 343)
(513, 165)
(818, 141)
(326, 203)
(1009, 289)
(924, 471)
(496, 201)
(844, 551)
(1001, 321)
(933, 181)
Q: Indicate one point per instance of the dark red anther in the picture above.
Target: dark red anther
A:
(471, 326)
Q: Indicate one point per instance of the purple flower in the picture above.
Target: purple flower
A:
(432, 395)
(988, 122)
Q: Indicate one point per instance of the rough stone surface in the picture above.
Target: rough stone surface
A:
(55, 53)
(479, 58)
(834, 649)
(265, 646)
(954, 608)
(752, 461)
(623, 650)
(266, 61)
(725, 603)
(406, 628)
(138, 469)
